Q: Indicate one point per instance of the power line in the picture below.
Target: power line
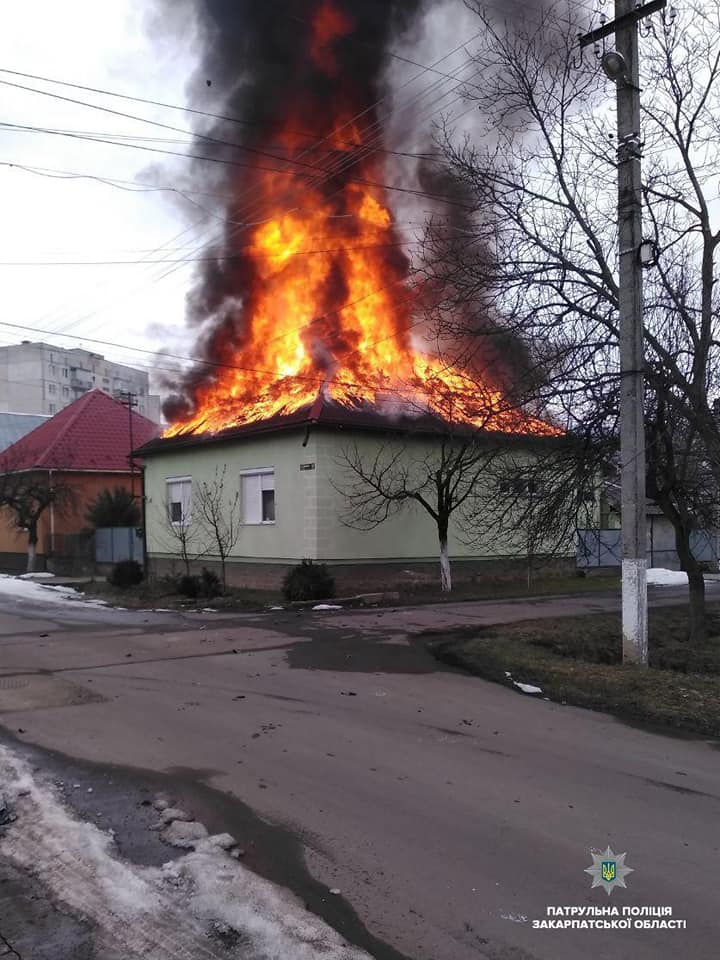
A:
(219, 364)
(217, 259)
(256, 202)
(156, 123)
(27, 128)
(192, 110)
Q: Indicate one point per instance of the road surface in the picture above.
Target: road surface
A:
(449, 812)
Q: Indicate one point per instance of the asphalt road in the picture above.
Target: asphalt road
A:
(450, 812)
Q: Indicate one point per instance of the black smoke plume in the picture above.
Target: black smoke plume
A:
(257, 67)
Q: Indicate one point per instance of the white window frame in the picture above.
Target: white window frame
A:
(257, 472)
(186, 519)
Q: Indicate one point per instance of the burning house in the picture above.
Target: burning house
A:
(305, 310)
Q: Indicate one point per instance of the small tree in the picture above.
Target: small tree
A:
(441, 479)
(220, 517)
(541, 172)
(184, 532)
(27, 496)
(114, 508)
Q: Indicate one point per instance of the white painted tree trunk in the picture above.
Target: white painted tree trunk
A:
(32, 550)
(445, 575)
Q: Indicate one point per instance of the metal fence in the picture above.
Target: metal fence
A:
(113, 544)
(603, 548)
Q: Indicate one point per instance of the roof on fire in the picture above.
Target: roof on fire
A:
(328, 415)
(92, 433)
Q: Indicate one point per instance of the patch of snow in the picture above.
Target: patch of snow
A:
(209, 610)
(515, 917)
(660, 577)
(19, 589)
(277, 608)
(160, 912)
(40, 575)
(326, 606)
(527, 687)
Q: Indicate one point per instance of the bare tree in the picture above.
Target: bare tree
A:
(27, 495)
(440, 476)
(540, 255)
(220, 516)
(184, 532)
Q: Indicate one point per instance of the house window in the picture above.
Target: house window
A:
(178, 498)
(66, 391)
(65, 372)
(258, 496)
(51, 408)
(52, 388)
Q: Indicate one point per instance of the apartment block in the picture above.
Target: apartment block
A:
(40, 378)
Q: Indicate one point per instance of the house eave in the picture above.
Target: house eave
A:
(339, 420)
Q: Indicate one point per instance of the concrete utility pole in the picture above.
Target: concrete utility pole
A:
(130, 401)
(621, 65)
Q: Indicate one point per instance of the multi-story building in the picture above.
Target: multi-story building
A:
(41, 378)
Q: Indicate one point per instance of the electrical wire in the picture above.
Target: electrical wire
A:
(175, 267)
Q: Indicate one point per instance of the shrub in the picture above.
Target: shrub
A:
(210, 583)
(189, 586)
(114, 508)
(308, 581)
(126, 573)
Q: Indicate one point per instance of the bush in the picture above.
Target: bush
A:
(189, 586)
(309, 581)
(210, 584)
(126, 573)
(114, 508)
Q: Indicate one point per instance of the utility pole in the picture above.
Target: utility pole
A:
(130, 400)
(621, 65)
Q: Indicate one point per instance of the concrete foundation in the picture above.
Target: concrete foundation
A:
(381, 575)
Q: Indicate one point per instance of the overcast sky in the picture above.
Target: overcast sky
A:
(110, 45)
(106, 45)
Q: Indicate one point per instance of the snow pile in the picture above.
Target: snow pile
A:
(660, 577)
(326, 606)
(30, 591)
(203, 905)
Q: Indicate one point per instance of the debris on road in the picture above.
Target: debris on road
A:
(527, 687)
(169, 814)
(6, 814)
(184, 834)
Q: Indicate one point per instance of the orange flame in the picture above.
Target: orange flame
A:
(325, 304)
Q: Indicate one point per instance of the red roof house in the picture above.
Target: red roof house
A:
(85, 448)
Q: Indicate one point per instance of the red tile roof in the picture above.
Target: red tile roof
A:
(92, 433)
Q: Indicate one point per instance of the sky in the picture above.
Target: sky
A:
(51, 214)
(108, 45)
(54, 211)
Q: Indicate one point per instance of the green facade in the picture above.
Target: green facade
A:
(309, 507)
